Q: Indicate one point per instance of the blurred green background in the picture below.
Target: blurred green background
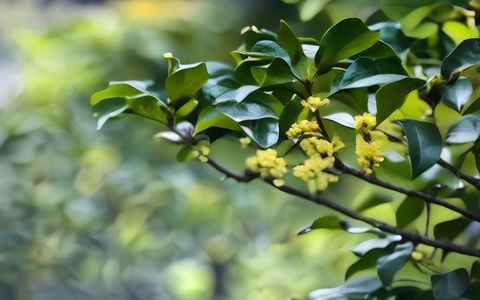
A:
(110, 214)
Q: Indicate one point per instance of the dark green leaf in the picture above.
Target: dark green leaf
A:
(464, 56)
(475, 271)
(396, 10)
(367, 72)
(344, 39)
(410, 209)
(457, 94)
(264, 132)
(252, 35)
(451, 285)
(379, 50)
(467, 130)
(449, 230)
(289, 115)
(186, 154)
(353, 288)
(473, 291)
(367, 261)
(278, 72)
(370, 244)
(424, 144)
(147, 106)
(210, 117)
(289, 41)
(392, 96)
(237, 95)
(271, 48)
(184, 83)
(109, 108)
(328, 222)
(218, 69)
(389, 265)
(342, 118)
(245, 110)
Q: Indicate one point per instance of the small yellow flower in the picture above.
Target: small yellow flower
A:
(364, 124)
(312, 171)
(205, 150)
(313, 103)
(278, 182)
(203, 158)
(370, 154)
(245, 141)
(304, 127)
(267, 164)
(314, 145)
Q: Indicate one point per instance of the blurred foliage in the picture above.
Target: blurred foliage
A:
(102, 215)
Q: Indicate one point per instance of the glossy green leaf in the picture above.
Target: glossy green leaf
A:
(366, 72)
(367, 261)
(308, 9)
(379, 50)
(273, 49)
(264, 132)
(109, 108)
(450, 285)
(185, 110)
(344, 39)
(351, 289)
(342, 118)
(424, 144)
(245, 111)
(457, 94)
(148, 107)
(173, 63)
(186, 154)
(389, 265)
(287, 39)
(370, 244)
(328, 222)
(210, 117)
(218, 69)
(464, 56)
(237, 95)
(184, 83)
(475, 271)
(278, 72)
(252, 35)
(391, 96)
(397, 10)
(467, 130)
(410, 209)
(449, 230)
(120, 89)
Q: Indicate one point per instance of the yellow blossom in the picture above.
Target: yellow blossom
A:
(370, 154)
(312, 171)
(278, 182)
(205, 150)
(203, 158)
(245, 141)
(314, 145)
(267, 164)
(364, 124)
(313, 103)
(304, 127)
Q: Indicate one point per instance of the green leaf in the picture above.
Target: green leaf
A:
(328, 222)
(473, 291)
(186, 154)
(389, 265)
(147, 106)
(287, 39)
(475, 271)
(173, 63)
(351, 289)
(449, 230)
(278, 73)
(410, 209)
(464, 56)
(379, 50)
(344, 39)
(184, 83)
(366, 72)
(396, 10)
(457, 94)
(245, 110)
(109, 108)
(467, 130)
(391, 96)
(342, 118)
(370, 244)
(289, 115)
(367, 261)
(237, 95)
(170, 136)
(310, 8)
(264, 132)
(424, 144)
(218, 69)
(451, 285)
(272, 49)
(210, 117)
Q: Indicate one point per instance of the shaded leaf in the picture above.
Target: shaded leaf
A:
(184, 83)
(367, 261)
(370, 244)
(109, 108)
(246, 110)
(464, 56)
(344, 39)
(457, 94)
(451, 285)
(449, 230)
(210, 117)
(237, 95)
(389, 265)
(186, 153)
(328, 222)
(410, 209)
(467, 130)
(353, 288)
(264, 132)
(424, 144)
(396, 10)
(391, 96)
(287, 39)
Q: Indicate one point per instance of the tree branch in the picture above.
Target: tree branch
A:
(426, 197)
(412, 236)
(470, 179)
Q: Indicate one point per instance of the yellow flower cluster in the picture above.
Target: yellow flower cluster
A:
(312, 171)
(367, 148)
(303, 127)
(313, 103)
(313, 145)
(364, 124)
(267, 164)
(245, 141)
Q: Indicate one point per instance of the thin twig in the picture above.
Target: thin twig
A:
(412, 236)
(470, 179)
(426, 197)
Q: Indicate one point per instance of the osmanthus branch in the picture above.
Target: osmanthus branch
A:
(412, 193)
(412, 236)
(470, 179)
